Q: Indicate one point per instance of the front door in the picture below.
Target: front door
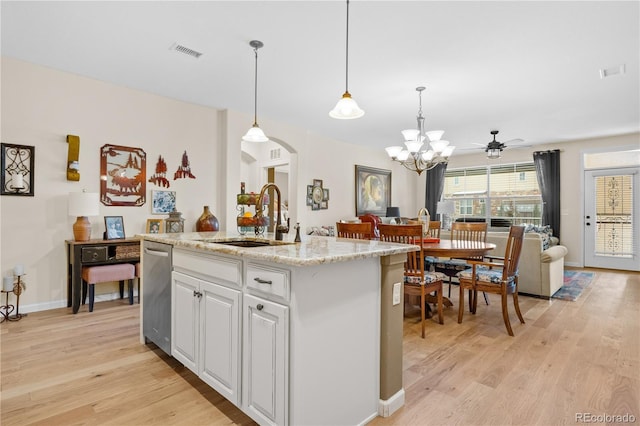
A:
(611, 227)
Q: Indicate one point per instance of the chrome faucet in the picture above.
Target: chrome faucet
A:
(280, 228)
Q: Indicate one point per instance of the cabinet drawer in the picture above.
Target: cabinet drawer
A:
(268, 280)
(208, 266)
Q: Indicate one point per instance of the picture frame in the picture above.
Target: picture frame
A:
(114, 228)
(325, 194)
(18, 165)
(163, 202)
(155, 226)
(317, 182)
(123, 172)
(309, 198)
(373, 190)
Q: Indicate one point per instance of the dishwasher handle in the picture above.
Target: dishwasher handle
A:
(156, 252)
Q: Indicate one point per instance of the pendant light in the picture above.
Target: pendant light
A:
(255, 133)
(346, 108)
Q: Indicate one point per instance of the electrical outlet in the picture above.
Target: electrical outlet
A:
(396, 293)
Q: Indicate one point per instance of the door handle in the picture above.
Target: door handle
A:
(261, 281)
(588, 224)
(260, 307)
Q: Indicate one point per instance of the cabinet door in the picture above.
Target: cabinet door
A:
(184, 322)
(265, 360)
(220, 339)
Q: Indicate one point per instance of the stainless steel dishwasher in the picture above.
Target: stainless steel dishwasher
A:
(156, 294)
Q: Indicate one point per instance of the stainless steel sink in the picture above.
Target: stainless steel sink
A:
(246, 242)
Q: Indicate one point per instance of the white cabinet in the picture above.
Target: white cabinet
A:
(205, 321)
(265, 360)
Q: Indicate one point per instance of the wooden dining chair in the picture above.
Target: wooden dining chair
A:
(495, 277)
(360, 231)
(417, 282)
(462, 231)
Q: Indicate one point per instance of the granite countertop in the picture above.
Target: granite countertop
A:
(313, 250)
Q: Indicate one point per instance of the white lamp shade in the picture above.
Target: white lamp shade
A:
(403, 155)
(255, 134)
(346, 109)
(413, 146)
(427, 155)
(448, 151)
(410, 135)
(435, 135)
(393, 151)
(84, 204)
(445, 207)
(439, 145)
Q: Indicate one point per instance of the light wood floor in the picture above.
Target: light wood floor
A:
(569, 357)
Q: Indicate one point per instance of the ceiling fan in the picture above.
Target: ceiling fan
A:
(494, 148)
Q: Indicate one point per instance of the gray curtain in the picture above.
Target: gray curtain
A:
(434, 187)
(548, 172)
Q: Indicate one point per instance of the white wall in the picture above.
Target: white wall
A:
(41, 106)
(571, 177)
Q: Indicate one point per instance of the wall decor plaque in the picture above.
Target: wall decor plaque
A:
(122, 175)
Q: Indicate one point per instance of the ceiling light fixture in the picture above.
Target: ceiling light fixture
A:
(414, 157)
(346, 108)
(494, 148)
(255, 133)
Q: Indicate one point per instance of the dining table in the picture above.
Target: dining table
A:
(454, 249)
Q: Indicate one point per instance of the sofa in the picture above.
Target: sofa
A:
(541, 271)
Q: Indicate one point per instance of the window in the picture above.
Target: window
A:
(504, 195)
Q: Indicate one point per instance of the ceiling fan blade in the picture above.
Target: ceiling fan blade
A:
(479, 144)
(514, 141)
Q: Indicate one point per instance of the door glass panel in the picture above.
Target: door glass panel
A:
(614, 216)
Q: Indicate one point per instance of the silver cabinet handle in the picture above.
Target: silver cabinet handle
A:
(156, 252)
(261, 281)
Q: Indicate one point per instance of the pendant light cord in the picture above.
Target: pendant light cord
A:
(255, 91)
(347, 50)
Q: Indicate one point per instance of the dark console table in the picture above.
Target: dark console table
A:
(95, 252)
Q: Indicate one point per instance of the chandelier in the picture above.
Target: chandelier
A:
(416, 158)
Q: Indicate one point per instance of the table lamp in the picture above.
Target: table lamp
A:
(394, 212)
(445, 209)
(82, 205)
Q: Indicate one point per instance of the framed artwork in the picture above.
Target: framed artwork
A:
(17, 169)
(373, 190)
(154, 226)
(123, 173)
(114, 227)
(309, 195)
(317, 196)
(163, 202)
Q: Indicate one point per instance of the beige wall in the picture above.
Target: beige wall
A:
(40, 106)
(571, 176)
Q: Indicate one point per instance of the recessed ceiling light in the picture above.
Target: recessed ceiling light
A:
(187, 51)
(608, 72)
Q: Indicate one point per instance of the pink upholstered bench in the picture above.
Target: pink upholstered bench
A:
(107, 273)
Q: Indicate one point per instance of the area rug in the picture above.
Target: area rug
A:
(574, 283)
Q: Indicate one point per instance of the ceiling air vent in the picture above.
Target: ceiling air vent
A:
(611, 71)
(183, 49)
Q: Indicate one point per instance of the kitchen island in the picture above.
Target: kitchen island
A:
(292, 333)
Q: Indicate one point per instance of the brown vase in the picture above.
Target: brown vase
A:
(207, 221)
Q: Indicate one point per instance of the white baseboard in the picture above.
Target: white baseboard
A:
(36, 307)
(387, 407)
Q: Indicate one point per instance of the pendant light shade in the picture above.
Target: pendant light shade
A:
(255, 133)
(346, 108)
